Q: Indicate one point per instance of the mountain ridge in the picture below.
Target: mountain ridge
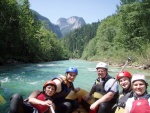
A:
(70, 24)
(63, 26)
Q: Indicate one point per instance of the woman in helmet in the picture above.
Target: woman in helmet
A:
(64, 87)
(37, 102)
(140, 102)
(124, 79)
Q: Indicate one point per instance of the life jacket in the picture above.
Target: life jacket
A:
(141, 105)
(94, 111)
(123, 98)
(66, 88)
(99, 87)
(41, 108)
(120, 105)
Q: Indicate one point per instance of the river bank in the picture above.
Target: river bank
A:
(140, 66)
(116, 64)
(130, 65)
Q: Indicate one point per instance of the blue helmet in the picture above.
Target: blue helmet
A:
(72, 69)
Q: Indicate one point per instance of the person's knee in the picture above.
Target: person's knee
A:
(16, 97)
(103, 108)
(67, 107)
(64, 108)
(68, 104)
(75, 104)
(16, 102)
(71, 106)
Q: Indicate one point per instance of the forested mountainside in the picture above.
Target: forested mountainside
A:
(121, 35)
(113, 39)
(63, 25)
(77, 40)
(23, 38)
(48, 25)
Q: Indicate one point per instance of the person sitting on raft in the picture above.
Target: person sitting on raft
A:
(140, 102)
(103, 86)
(124, 79)
(64, 87)
(37, 102)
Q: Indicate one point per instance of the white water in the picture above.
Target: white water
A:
(25, 78)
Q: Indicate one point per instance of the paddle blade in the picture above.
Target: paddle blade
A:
(2, 100)
(97, 95)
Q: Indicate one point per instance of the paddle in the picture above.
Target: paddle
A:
(52, 109)
(2, 100)
(120, 71)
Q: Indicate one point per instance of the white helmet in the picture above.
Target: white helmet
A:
(138, 77)
(102, 65)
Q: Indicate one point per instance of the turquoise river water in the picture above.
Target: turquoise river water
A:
(25, 78)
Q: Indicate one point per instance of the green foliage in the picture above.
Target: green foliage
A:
(23, 37)
(77, 40)
(124, 34)
(89, 51)
(135, 25)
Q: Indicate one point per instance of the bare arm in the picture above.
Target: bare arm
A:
(107, 97)
(87, 97)
(58, 83)
(32, 99)
(75, 89)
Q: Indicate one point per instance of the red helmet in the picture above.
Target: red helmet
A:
(123, 74)
(50, 82)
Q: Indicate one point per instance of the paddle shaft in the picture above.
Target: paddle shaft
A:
(120, 71)
(52, 109)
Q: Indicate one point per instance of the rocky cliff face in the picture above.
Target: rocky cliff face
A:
(70, 24)
(48, 24)
(63, 25)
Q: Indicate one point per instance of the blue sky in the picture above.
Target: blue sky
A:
(89, 10)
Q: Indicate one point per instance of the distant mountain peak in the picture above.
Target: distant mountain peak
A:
(70, 24)
(63, 25)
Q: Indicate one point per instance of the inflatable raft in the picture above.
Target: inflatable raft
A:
(84, 105)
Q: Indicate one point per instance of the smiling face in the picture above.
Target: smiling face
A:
(49, 90)
(71, 76)
(102, 72)
(124, 82)
(139, 87)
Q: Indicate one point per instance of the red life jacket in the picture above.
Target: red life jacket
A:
(140, 106)
(41, 108)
